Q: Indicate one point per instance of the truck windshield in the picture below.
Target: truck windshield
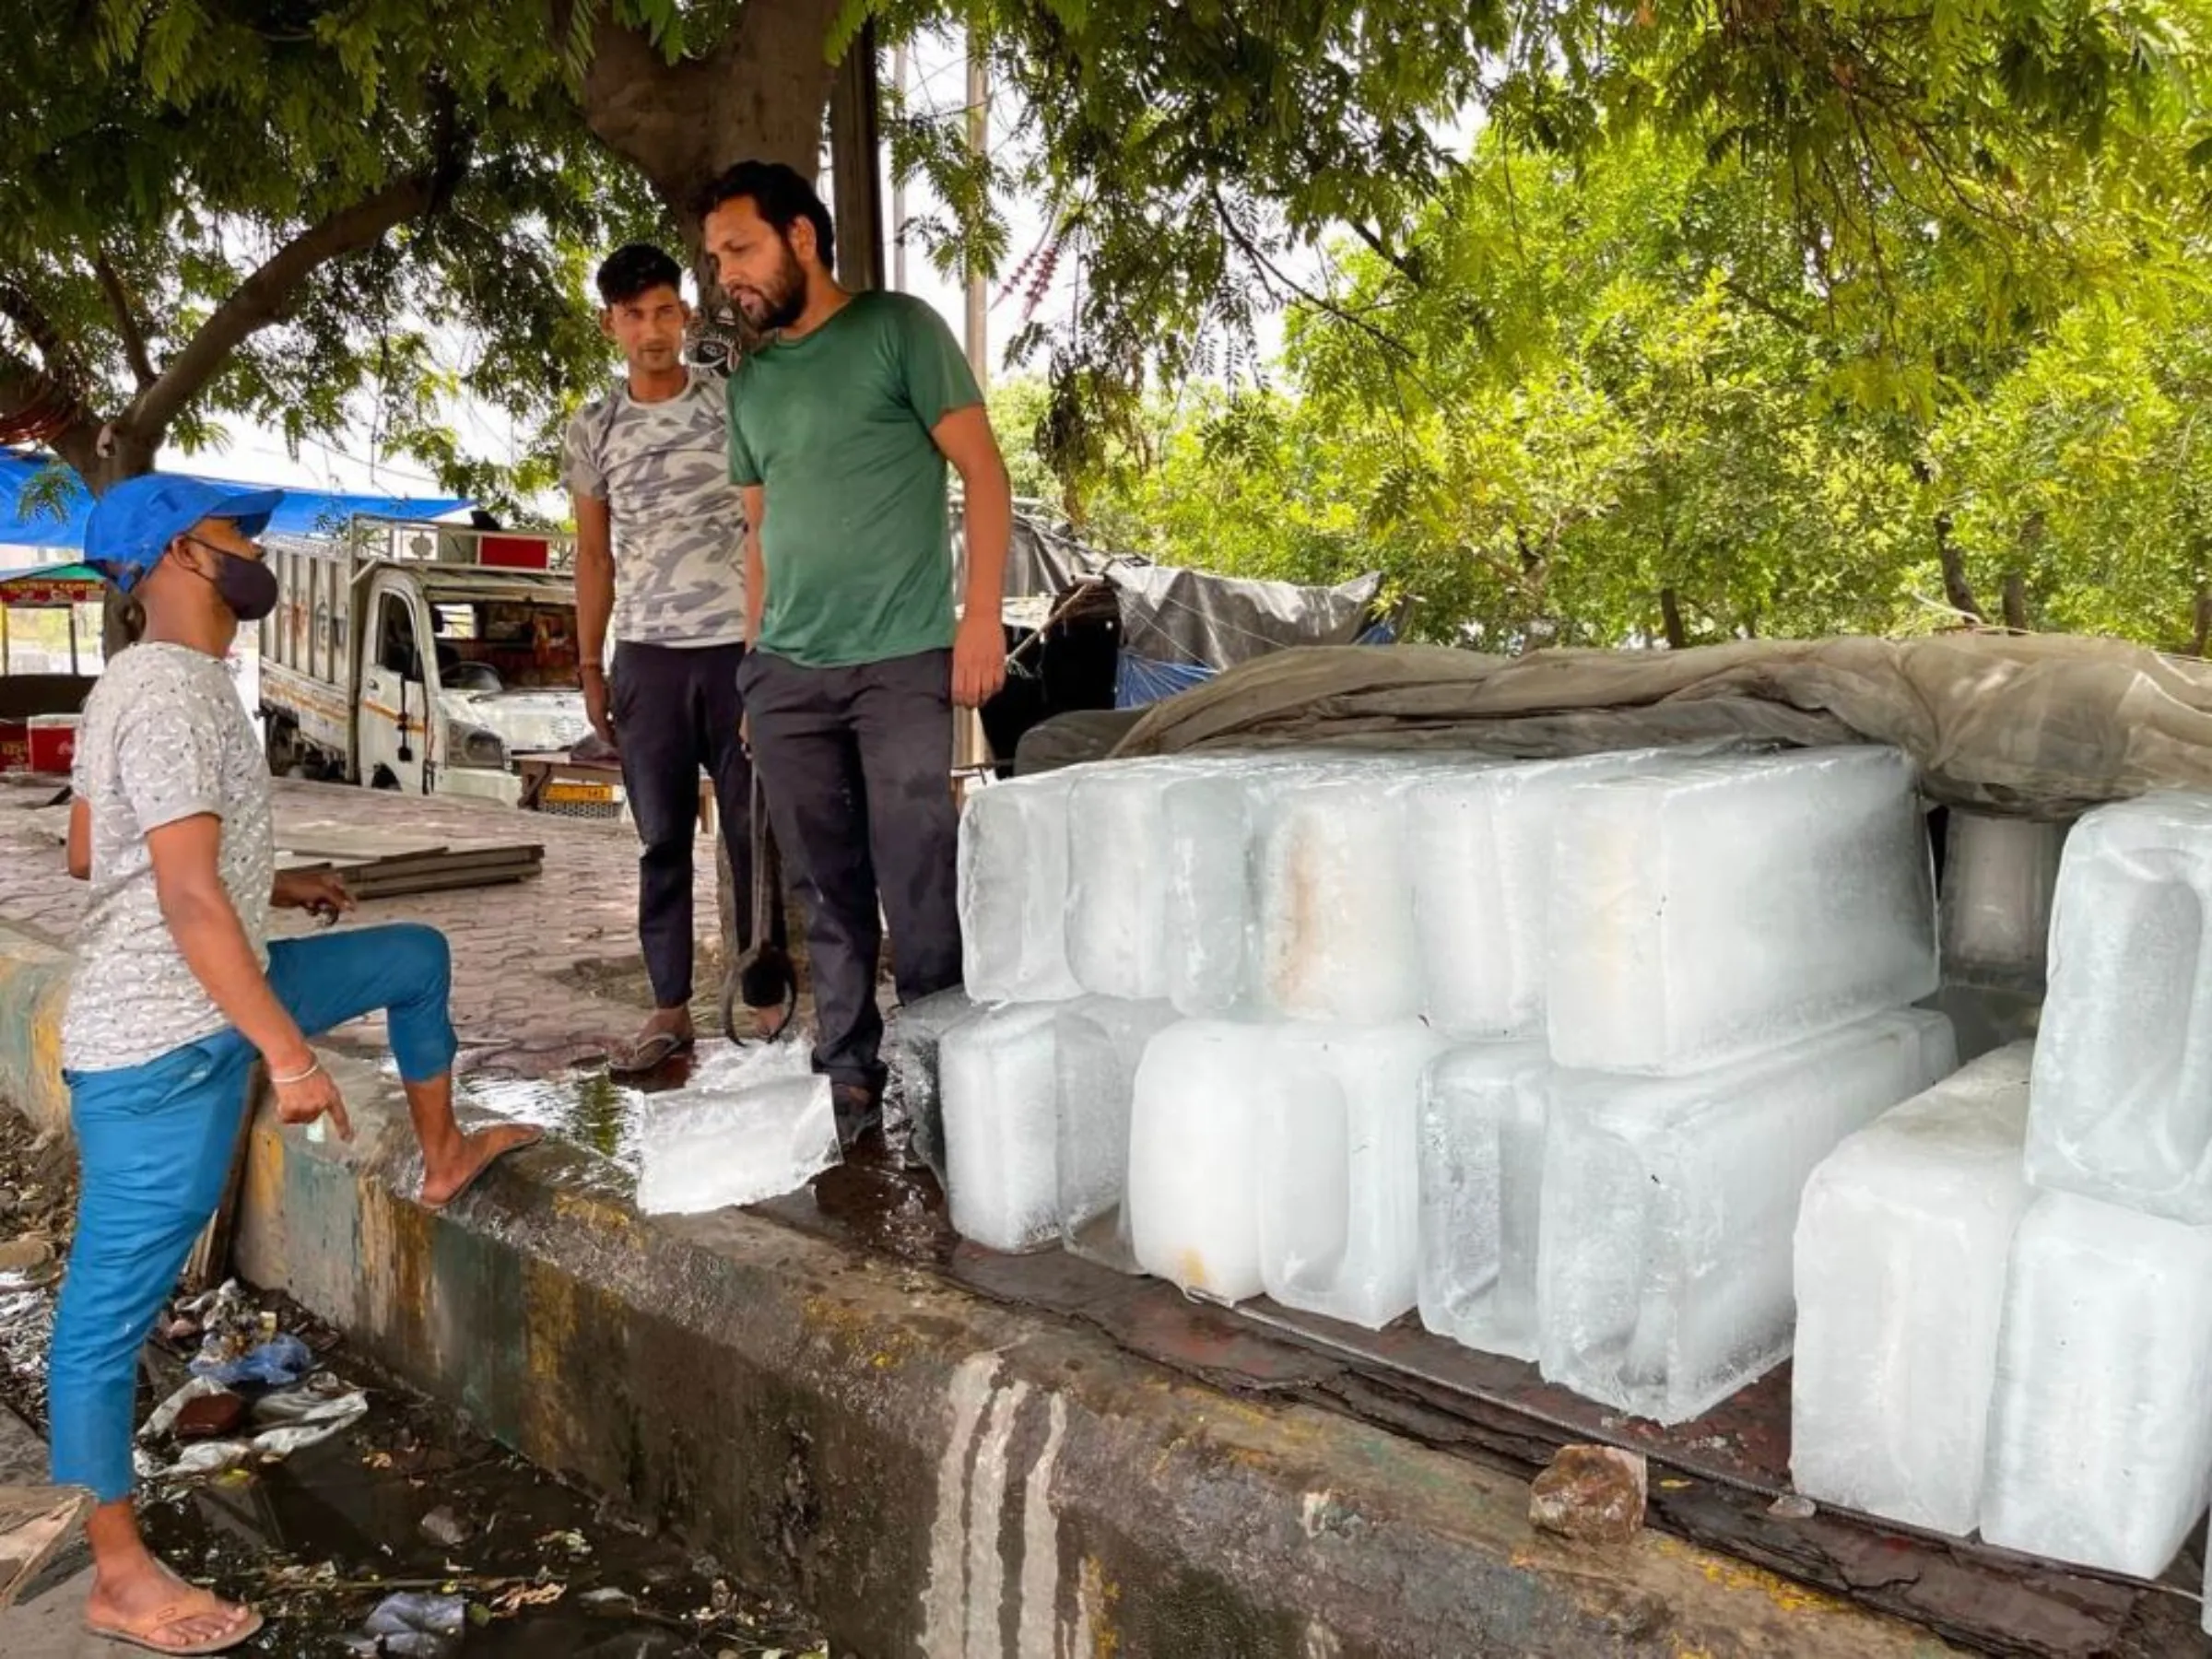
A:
(489, 645)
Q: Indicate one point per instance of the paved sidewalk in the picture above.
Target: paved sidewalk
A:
(546, 972)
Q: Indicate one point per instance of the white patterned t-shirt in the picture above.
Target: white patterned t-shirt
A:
(664, 470)
(163, 738)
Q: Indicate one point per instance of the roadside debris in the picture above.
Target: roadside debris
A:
(1595, 1494)
(413, 1624)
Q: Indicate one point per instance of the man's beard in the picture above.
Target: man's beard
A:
(780, 306)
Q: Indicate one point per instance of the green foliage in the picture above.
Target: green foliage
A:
(1615, 394)
(180, 144)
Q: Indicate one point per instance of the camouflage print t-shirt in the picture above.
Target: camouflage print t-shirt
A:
(163, 738)
(664, 470)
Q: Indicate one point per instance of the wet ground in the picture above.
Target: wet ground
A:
(406, 1501)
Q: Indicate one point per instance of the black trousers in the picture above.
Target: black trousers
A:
(676, 709)
(857, 767)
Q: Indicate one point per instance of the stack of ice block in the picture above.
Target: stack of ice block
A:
(1732, 943)
(2100, 1445)
(1901, 1250)
(1092, 897)
(2000, 876)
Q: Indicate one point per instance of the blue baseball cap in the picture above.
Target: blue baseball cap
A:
(132, 524)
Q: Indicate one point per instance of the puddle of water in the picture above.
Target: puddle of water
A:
(589, 1109)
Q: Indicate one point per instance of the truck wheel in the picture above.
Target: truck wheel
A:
(283, 746)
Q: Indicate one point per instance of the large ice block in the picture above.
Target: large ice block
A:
(1902, 1247)
(1334, 899)
(1340, 1173)
(1703, 913)
(1001, 1142)
(2100, 1432)
(706, 1149)
(2121, 1105)
(1194, 1161)
(1118, 869)
(1669, 1205)
(1097, 1043)
(1482, 1179)
(912, 1038)
(1482, 840)
(1999, 877)
(1013, 890)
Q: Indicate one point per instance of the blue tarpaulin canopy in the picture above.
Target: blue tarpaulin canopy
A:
(34, 523)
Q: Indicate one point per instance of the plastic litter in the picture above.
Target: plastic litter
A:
(279, 1363)
(414, 1625)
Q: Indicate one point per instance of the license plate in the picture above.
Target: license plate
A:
(579, 795)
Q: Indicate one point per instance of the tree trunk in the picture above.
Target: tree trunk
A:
(2203, 634)
(1958, 592)
(1670, 620)
(760, 94)
(2015, 602)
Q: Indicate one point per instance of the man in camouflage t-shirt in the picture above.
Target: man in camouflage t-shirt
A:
(660, 550)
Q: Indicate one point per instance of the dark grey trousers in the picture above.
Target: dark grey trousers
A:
(857, 765)
(677, 709)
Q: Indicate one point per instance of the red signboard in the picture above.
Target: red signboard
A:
(515, 552)
(49, 591)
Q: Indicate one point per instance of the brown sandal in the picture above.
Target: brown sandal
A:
(144, 1634)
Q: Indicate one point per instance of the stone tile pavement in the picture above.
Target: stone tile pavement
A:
(546, 973)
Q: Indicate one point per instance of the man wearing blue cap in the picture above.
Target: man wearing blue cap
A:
(177, 993)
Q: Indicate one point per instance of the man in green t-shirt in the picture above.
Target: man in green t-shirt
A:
(841, 427)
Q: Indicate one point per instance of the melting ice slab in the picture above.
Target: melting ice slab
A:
(1001, 1145)
(1193, 1192)
(1340, 1171)
(1013, 889)
(2120, 1107)
(1097, 1043)
(1481, 846)
(1703, 913)
(1669, 1206)
(1901, 1249)
(705, 1149)
(912, 1038)
(1999, 878)
(1482, 1176)
(2100, 1434)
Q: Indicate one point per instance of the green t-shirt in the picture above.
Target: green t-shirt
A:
(835, 428)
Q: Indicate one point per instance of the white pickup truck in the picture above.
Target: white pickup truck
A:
(424, 657)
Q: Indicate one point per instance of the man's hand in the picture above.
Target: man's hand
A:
(312, 1097)
(595, 705)
(322, 891)
(979, 660)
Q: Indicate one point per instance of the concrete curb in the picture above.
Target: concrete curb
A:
(933, 1473)
(34, 983)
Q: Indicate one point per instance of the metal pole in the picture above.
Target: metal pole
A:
(73, 667)
(979, 142)
(899, 184)
(856, 161)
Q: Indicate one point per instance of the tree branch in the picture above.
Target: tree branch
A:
(17, 307)
(268, 294)
(1391, 344)
(127, 319)
(36, 407)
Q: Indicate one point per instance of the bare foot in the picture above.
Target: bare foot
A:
(133, 1600)
(478, 1151)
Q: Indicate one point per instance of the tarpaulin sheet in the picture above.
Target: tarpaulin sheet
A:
(1194, 617)
(2041, 726)
(33, 524)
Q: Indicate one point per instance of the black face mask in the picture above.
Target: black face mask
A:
(246, 586)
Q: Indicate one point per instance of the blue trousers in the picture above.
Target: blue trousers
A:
(153, 1143)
